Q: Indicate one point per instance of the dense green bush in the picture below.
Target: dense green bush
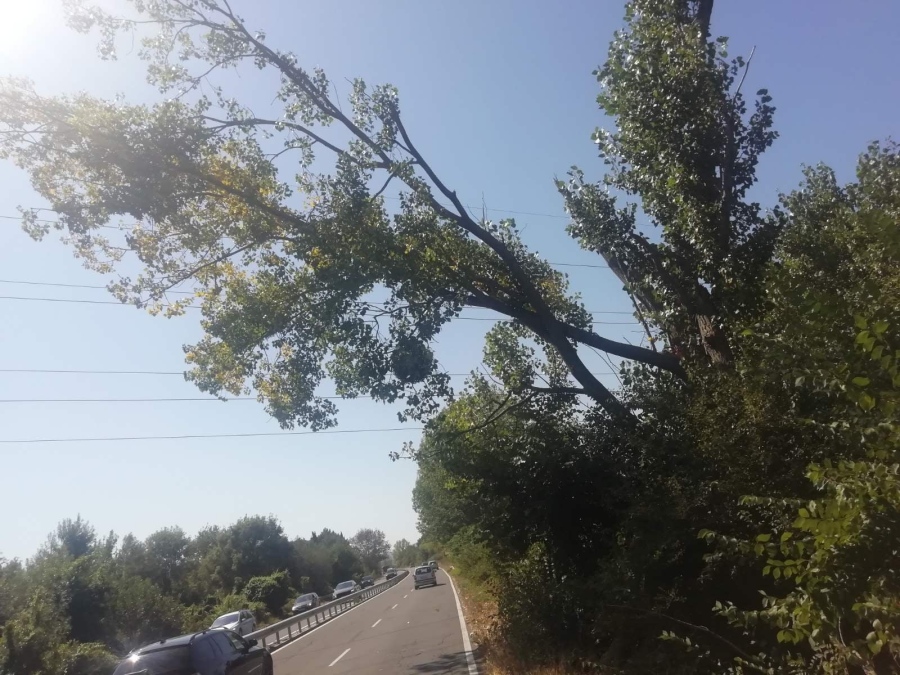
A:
(273, 591)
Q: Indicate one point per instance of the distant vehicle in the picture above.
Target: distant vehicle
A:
(241, 622)
(345, 588)
(365, 582)
(424, 576)
(305, 603)
(212, 652)
(390, 573)
(433, 564)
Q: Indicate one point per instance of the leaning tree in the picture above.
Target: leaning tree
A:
(311, 276)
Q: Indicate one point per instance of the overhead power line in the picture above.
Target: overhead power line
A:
(91, 372)
(525, 213)
(104, 439)
(100, 287)
(81, 301)
(155, 400)
(155, 372)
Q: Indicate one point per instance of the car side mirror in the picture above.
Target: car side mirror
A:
(252, 642)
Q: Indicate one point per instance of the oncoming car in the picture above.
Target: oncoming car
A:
(345, 588)
(305, 603)
(424, 576)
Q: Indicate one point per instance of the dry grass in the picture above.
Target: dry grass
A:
(495, 657)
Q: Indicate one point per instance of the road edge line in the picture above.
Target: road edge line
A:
(467, 643)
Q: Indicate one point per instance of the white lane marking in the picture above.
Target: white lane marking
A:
(405, 597)
(307, 633)
(467, 644)
(343, 654)
(394, 607)
(376, 623)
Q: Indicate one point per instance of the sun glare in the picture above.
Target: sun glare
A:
(20, 22)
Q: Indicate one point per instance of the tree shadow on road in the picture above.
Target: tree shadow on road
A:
(445, 664)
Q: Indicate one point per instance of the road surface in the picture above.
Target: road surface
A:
(400, 631)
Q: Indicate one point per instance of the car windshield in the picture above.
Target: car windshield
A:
(172, 661)
(226, 619)
(367, 578)
(345, 584)
(304, 598)
(423, 570)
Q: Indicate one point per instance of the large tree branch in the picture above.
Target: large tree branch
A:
(567, 351)
(462, 218)
(661, 360)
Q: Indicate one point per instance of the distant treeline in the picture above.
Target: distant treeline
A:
(83, 599)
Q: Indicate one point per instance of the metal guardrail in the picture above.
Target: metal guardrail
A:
(289, 629)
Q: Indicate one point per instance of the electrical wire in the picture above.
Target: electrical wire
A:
(81, 301)
(194, 436)
(526, 213)
(153, 372)
(155, 400)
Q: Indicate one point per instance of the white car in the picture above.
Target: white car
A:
(241, 622)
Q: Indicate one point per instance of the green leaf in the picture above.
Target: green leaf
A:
(880, 327)
(803, 513)
(866, 402)
(860, 322)
(763, 537)
(776, 573)
(862, 337)
(786, 535)
(861, 381)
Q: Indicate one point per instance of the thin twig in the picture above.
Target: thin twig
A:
(746, 69)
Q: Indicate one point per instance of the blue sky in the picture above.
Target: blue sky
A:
(500, 98)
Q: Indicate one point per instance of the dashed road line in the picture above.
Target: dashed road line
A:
(376, 623)
(394, 607)
(405, 597)
(343, 654)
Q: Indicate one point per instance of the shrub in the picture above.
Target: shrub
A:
(273, 591)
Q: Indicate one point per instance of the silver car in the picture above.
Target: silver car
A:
(424, 576)
(305, 603)
(241, 622)
(345, 588)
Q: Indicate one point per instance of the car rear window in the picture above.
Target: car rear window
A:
(226, 619)
(171, 661)
(423, 570)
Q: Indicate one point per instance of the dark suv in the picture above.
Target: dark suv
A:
(365, 582)
(212, 652)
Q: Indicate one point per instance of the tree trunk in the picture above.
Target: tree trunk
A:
(714, 341)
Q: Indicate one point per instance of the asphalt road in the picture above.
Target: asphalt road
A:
(401, 631)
